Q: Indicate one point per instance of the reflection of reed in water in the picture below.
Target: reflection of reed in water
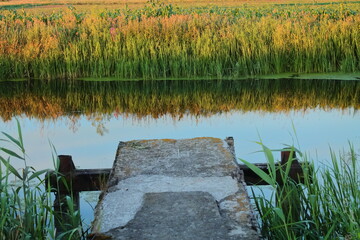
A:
(99, 100)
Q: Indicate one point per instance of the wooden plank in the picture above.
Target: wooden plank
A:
(80, 180)
(96, 179)
(295, 173)
(251, 178)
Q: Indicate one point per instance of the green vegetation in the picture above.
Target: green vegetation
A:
(20, 6)
(161, 41)
(26, 202)
(325, 206)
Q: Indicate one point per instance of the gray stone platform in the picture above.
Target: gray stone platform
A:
(175, 189)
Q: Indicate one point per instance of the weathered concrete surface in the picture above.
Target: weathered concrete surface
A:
(194, 215)
(175, 189)
(198, 157)
(126, 198)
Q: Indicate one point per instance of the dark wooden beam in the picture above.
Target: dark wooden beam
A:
(296, 170)
(80, 180)
(96, 179)
(252, 178)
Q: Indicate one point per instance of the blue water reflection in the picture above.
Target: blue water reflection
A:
(316, 130)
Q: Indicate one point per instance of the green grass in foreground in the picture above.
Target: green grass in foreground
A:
(326, 206)
(26, 204)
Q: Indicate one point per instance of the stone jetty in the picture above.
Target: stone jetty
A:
(175, 189)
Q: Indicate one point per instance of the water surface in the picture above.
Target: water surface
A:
(88, 119)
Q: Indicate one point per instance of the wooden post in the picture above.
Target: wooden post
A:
(67, 182)
(61, 208)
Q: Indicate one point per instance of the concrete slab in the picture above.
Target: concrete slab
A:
(155, 183)
(190, 212)
(198, 157)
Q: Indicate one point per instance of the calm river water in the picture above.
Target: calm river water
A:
(88, 119)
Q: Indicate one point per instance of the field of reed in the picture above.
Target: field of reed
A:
(51, 5)
(162, 41)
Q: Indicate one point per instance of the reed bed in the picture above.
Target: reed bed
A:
(26, 200)
(162, 41)
(51, 5)
(325, 206)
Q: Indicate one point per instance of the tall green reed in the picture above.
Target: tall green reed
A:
(26, 200)
(324, 206)
(162, 41)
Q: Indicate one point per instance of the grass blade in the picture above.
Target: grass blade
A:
(280, 213)
(37, 174)
(20, 135)
(10, 167)
(11, 153)
(12, 139)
